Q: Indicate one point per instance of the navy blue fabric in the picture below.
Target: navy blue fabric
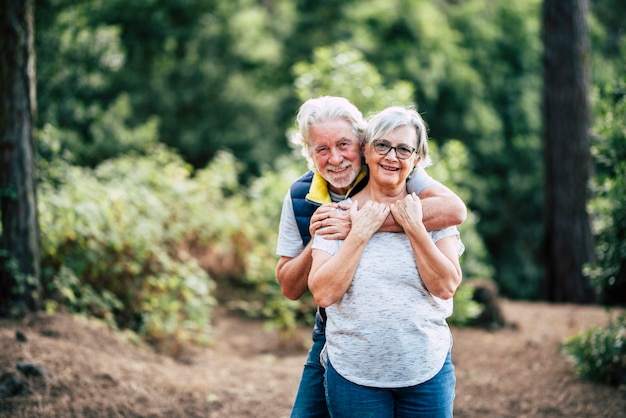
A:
(302, 208)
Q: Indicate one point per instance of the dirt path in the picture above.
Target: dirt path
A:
(248, 372)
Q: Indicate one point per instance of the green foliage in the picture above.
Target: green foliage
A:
(599, 354)
(475, 69)
(67, 292)
(78, 61)
(340, 70)
(260, 227)
(206, 76)
(608, 205)
(607, 31)
(24, 286)
(465, 308)
(130, 240)
(501, 128)
(112, 134)
(112, 246)
(451, 167)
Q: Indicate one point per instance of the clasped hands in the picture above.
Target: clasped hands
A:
(334, 221)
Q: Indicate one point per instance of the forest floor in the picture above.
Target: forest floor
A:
(90, 371)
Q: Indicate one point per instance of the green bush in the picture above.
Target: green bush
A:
(112, 245)
(264, 200)
(451, 167)
(146, 243)
(599, 354)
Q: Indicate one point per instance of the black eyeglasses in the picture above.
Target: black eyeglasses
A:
(383, 147)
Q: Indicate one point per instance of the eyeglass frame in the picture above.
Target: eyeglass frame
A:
(391, 147)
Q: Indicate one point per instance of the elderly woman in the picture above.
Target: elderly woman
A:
(387, 295)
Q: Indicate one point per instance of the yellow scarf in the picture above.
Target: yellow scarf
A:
(318, 191)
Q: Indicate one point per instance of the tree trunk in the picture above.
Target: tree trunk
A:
(19, 241)
(567, 141)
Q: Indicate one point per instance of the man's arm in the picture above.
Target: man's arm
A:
(292, 269)
(441, 207)
(292, 274)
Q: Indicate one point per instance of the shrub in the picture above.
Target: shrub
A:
(111, 246)
(599, 354)
(264, 200)
(146, 243)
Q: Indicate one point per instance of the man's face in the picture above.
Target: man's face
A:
(335, 149)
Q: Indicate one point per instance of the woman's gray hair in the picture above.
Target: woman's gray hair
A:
(324, 109)
(394, 117)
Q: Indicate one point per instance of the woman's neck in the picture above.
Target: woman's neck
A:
(381, 195)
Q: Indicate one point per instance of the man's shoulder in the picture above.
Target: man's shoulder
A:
(306, 177)
(301, 186)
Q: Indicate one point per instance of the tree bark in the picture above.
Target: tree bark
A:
(20, 287)
(567, 141)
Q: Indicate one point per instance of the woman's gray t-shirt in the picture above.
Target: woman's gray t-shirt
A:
(388, 331)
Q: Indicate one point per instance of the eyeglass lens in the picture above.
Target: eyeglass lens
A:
(383, 147)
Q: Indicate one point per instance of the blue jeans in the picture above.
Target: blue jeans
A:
(311, 398)
(431, 399)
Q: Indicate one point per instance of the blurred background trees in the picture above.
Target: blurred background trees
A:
(214, 85)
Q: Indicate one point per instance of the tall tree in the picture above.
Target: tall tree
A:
(567, 141)
(19, 242)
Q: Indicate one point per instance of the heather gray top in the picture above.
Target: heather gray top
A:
(388, 331)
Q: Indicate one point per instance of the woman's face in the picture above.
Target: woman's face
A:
(388, 169)
(336, 153)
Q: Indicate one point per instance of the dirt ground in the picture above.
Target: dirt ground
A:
(89, 371)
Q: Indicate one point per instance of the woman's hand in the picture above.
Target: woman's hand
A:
(407, 211)
(369, 218)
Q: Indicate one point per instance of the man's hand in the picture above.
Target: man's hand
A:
(330, 222)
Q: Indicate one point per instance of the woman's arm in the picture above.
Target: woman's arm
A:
(438, 263)
(292, 273)
(331, 275)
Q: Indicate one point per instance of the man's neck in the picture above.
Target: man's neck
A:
(336, 197)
